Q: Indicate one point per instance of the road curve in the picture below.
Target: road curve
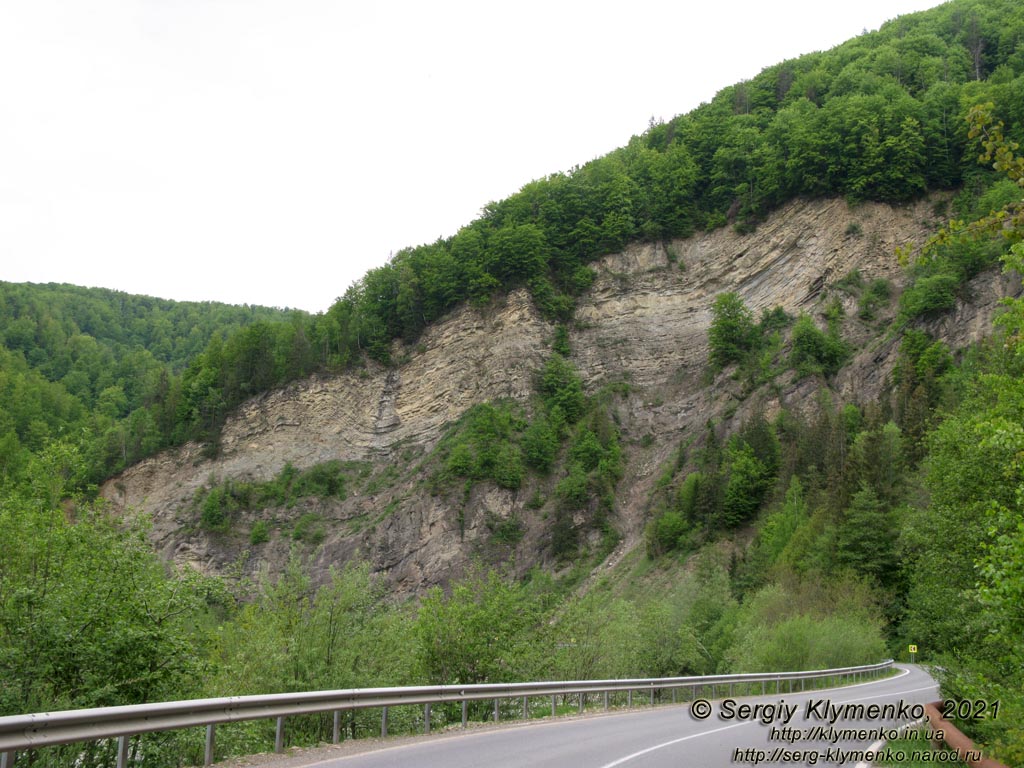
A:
(812, 728)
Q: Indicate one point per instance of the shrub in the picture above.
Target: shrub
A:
(483, 447)
(507, 470)
(587, 450)
(876, 294)
(807, 642)
(309, 528)
(572, 489)
(774, 319)
(260, 533)
(561, 387)
(814, 351)
(324, 480)
(540, 445)
(665, 532)
(505, 531)
(213, 515)
(929, 295)
(560, 344)
(461, 461)
(732, 333)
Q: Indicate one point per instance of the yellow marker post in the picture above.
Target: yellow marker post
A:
(913, 652)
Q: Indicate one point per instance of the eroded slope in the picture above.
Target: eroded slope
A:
(644, 323)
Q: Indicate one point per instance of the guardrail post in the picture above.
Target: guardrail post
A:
(652, 694)
(629, 698)
(526, 708)
(383, 722)
(210, 743)
(122, 751)
(495, 710)
(426, 718)
(7, 759)
(465, 712)
(553, 708)
(674, 695)
(583, 702)
(606, 700)
(279, 735)
(336, 727)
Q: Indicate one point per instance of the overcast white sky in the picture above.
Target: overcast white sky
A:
(271, 151)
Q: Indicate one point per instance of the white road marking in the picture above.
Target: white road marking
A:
(635, 755)
(627, 758)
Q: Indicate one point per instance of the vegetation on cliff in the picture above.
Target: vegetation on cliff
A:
(873, 526)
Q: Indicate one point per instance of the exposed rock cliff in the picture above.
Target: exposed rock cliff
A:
(644, 322)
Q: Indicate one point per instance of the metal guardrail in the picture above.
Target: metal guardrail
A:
(20, 733)
(956, 739)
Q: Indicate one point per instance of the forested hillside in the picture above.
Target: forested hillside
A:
(104, 368)
(774, 537)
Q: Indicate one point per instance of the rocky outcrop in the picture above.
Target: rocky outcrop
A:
(644, 323)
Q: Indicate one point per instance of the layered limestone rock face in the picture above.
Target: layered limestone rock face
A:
(651, 306)
(644, 323)
(374, 417)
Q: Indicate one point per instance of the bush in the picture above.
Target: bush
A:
(507, 471)
(217, 505)
(972, 680)
(214, 514)
(877, 293)
(260, 533)
(732, 333)
(774, 319)
(484, 446)
(324, 480)
(666, 532)
(572, 490)
(309, 528)
(814, 351)
(564, 537)
(461, 461)
(540, 445)
(930, 295)
(505, 531)
(587, 450)
(561, 387)
(807, 642)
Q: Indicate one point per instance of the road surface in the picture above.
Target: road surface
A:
(812, 728)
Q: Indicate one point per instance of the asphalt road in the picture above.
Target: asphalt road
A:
(785, 730)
